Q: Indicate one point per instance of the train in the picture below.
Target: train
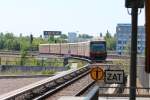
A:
(94, 50)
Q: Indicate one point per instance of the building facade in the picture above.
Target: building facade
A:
(123, 35)
(72, 37)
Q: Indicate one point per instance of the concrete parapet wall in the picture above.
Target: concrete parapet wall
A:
(4, 68)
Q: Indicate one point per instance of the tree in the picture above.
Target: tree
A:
(108, 35)
(10, 42)
(23, 57)
(127, 47)
(9, 36)
(24, 43)
(31, 39)
(15, 45)
(51, 39)
(111, 41)
(85, 36)
(2, 41)
(63, 36)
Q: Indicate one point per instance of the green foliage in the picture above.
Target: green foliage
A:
(2, 41)
(124, 64)
(48, 72)
(61, 39)
(26, 43)
(51, 39)
(80, 63)
(31, 39)
(111, 41)
(53, 62)
(85, 36)
(10, 42)
(26, 60)
(63, 36)
(23, 57)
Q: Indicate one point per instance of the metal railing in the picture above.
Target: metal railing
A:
(97, 92)
(124, 92)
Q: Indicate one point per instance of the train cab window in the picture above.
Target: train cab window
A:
(97, 47)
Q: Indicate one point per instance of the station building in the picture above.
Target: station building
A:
(72, 37)
(123, 41)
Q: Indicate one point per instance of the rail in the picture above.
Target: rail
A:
(35, 53)
(62, 86)
(84, 89)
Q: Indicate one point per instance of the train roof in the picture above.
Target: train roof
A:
(102, 40)
(74, 43)
(64, 43)
(98, 39)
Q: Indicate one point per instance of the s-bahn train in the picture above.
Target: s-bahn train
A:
(94, 50)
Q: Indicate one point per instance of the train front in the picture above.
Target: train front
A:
(98, 51)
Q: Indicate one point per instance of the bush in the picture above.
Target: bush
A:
(48, 72)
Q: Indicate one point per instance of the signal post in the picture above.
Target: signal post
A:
(147, 27)
(134, 5)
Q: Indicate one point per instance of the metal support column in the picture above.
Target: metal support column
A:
(133, 61)
(147, 26)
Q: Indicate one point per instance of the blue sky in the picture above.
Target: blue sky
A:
(84, 16)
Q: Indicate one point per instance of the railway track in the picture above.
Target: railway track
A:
(36, 53)
(80, 87)
(77, 88)
(40, 88)
(55, 84)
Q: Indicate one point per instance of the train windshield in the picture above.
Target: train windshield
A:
(98, 47)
